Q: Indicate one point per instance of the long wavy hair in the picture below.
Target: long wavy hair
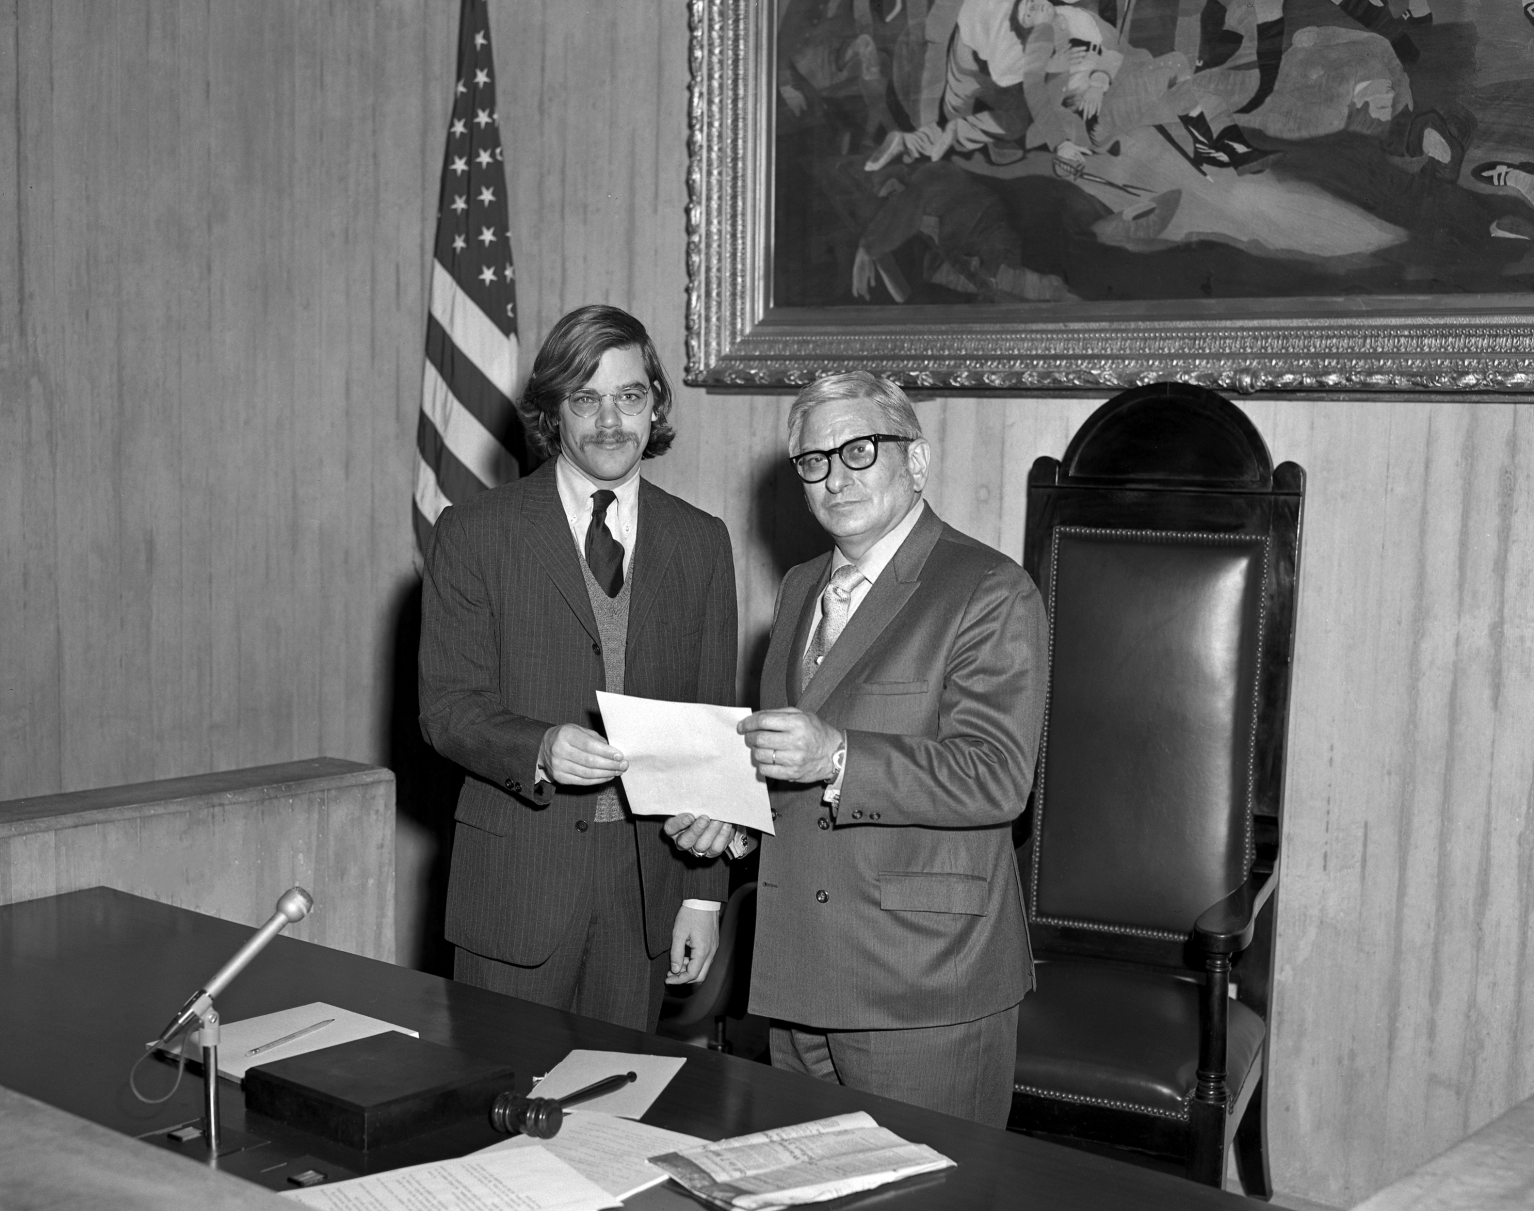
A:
(570, 355)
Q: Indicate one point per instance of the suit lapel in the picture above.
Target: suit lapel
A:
(656, 545)
(549, 539)
(901, 578)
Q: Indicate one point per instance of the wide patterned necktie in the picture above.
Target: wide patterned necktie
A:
(835, 607)
(604, 553)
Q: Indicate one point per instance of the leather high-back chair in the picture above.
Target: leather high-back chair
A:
(1166, 546)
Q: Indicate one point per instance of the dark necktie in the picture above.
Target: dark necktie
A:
(604, 553)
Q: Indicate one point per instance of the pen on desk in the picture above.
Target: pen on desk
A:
(288, 1038)
(606, 1085)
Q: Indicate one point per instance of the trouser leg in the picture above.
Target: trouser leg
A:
(965, 1069)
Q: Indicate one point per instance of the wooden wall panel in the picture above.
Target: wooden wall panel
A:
(215, 264)
(225, 844)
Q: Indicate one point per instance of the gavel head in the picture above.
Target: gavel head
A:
(513, 1114)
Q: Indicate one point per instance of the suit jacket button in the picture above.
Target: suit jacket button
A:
(580, 826)
(821, 896)
(597, 648)
(857, 813)
(873, 815)
(515, 786)
(823, 822)
(774, 813)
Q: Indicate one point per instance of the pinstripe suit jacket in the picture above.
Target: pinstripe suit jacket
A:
(905, 909)
(509, 647)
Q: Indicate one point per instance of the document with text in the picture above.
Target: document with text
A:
(527, 1179)
(806, 1163)
(686, 757)
(610, 1151)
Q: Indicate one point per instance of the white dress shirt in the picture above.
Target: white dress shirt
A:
(575, 489)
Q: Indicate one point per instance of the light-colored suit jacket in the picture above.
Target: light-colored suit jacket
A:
(509, 647)
(904, 908)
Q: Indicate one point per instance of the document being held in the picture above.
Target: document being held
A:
(685, 757)
(807, 1163)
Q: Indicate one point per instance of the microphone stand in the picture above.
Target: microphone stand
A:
(199, 1008)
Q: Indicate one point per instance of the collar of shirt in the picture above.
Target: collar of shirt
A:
(575, 489)
(874, 561)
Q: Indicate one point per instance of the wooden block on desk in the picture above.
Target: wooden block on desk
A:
(376, 1091)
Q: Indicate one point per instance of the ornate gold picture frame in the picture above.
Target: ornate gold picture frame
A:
(1337, 186)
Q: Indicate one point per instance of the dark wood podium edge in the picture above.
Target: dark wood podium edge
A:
(51, 1159)
(254, 784)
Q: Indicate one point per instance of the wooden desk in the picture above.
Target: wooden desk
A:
(86, 978)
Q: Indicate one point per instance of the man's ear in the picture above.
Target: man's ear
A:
(917, 458)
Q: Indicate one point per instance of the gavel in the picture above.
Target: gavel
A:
(542, 1117)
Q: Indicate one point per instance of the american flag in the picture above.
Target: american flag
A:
(469, 437)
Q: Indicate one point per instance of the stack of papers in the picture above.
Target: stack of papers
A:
(808, 1163)
(528, 1179)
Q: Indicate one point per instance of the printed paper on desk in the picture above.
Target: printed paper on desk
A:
(608, 1150)
(529, 1179)
(686, 757)
(581, 1068)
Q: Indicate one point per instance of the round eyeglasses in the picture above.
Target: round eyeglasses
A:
(856, 453)
(630, 401)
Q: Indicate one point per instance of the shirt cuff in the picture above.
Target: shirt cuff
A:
(832, 795)
(714, 904)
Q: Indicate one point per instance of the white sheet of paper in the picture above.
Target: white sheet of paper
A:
(686, 757)
(610, 1151)
(527, 1179)
(581, 1068)
(236, 1039)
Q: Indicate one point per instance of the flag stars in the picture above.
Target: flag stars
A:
(486, 236)
(481, 78)
(459, 128)
(459, 243)
(487, 275)
(511, 271)
(460, 203)
(460, 165)
(482, 118)
(485, 158)
(480, 39)
(460, 90)
(487, 195)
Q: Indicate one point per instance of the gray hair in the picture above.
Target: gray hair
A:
(899, 416)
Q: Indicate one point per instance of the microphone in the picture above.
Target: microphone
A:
(292, 907)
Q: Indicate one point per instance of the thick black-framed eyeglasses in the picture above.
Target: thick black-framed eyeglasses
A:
(630, 401)
(856, 453)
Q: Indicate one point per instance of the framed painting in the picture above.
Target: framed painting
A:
(1254, 195)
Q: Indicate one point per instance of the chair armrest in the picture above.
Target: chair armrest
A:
(1226, 928)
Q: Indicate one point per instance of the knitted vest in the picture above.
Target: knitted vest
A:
(612, 615)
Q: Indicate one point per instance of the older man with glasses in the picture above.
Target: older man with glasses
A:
(902, 700)
(581, 577)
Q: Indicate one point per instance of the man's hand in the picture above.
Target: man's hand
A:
(1069, 160)
(577, 756)
(694, 938)
(791, 745)
(698, 835)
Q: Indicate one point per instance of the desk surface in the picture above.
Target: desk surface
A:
(86, 978)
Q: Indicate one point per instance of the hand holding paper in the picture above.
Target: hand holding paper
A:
(685, 757)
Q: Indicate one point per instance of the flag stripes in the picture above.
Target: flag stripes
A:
(468, 437)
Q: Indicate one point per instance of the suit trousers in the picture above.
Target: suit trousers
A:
(601, 967)
(965, 1069)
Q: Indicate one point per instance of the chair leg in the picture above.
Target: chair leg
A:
(1252, 1146)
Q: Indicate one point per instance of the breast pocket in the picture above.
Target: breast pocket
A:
(930, 891)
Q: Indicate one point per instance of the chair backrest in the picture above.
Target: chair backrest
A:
(1166, 546)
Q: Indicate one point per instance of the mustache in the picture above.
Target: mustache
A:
(610, 440)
